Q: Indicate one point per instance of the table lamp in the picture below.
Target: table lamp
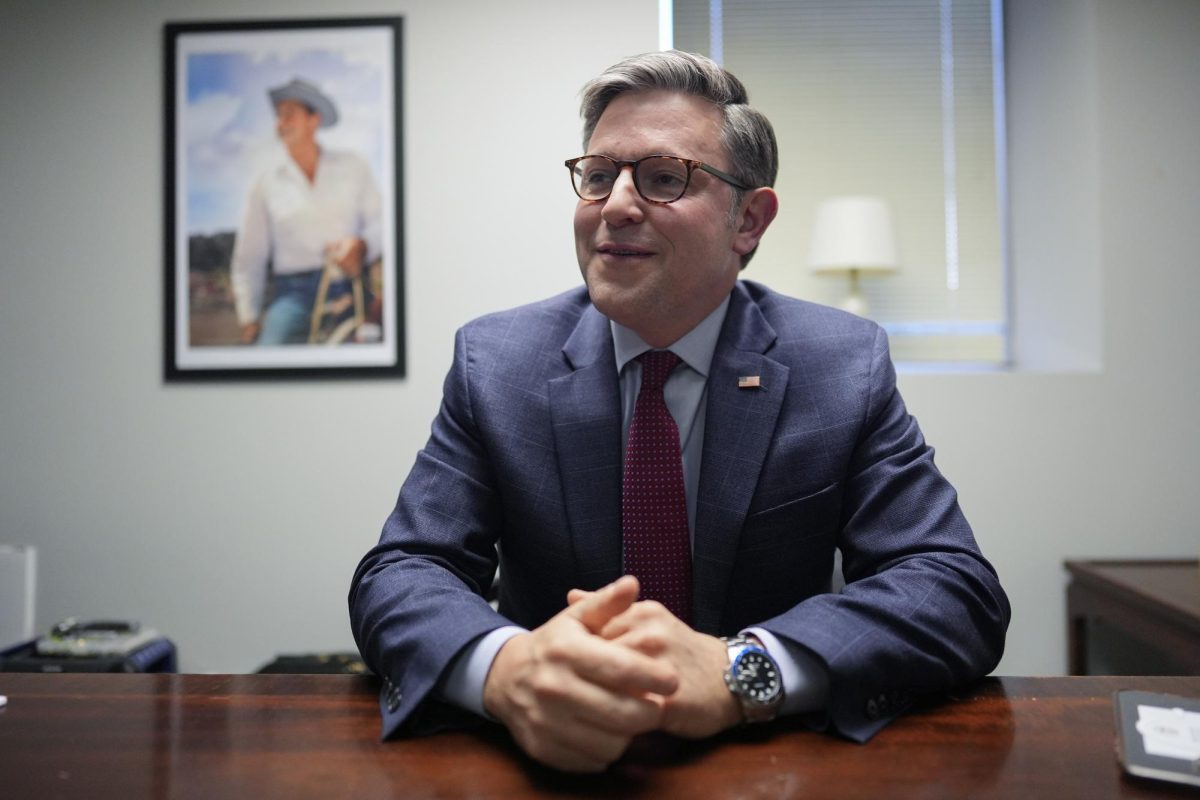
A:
(853, 235)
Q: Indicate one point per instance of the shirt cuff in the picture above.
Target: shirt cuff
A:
(805, 678)
(464, 682)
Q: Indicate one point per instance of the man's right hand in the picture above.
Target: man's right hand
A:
(571, 699)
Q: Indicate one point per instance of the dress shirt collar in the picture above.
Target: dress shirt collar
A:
(696, 347)
(286, 166)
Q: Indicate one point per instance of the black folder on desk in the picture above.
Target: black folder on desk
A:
(1158, 736)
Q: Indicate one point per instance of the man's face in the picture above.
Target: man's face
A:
(295, 123)
(658, 269)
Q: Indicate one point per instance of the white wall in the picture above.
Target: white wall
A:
(1092, 464)
(231, 516)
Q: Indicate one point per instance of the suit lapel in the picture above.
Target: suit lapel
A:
(738, 429)
(585, 410)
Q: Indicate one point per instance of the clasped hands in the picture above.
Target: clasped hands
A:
(577, 690)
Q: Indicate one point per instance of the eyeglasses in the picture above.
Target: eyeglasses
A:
(658, 179)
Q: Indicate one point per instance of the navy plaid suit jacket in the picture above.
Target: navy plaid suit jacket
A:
(524, 466)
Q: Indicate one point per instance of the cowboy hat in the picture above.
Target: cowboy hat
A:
(309, 95)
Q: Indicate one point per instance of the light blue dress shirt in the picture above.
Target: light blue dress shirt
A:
(805, 680)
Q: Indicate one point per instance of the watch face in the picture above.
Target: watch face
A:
(756, 676)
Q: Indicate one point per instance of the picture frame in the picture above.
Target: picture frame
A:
(283, 243)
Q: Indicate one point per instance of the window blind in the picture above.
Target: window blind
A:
(892, 98)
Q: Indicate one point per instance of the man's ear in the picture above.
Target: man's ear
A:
(759, 208)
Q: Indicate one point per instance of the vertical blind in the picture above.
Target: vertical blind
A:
(892, 98)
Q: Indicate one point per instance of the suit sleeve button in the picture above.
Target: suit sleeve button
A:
(872, 709)
(393, 698)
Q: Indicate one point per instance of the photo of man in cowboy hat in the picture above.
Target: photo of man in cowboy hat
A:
(313, 207)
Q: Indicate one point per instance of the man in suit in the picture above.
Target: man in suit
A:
(786, 440)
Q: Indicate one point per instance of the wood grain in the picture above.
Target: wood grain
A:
(299, 736)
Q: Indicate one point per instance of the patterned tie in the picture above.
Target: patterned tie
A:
(653, 506)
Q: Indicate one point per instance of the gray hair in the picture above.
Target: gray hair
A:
(746, 135)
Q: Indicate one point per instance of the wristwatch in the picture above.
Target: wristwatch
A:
(753, 678)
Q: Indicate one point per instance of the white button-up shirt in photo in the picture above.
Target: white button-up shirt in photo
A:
(289, 222)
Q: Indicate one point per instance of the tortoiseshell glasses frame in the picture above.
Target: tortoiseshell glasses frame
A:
(658, 178)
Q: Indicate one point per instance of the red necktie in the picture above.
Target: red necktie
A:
(653, 506)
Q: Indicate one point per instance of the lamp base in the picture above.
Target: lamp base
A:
(855, 302)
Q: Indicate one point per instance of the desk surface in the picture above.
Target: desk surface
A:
(296, 736)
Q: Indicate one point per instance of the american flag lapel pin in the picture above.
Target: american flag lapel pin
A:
(749, 382)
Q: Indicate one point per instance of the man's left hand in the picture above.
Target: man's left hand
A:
(702, 706)
(348, 254)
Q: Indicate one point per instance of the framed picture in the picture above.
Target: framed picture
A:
(284, 241)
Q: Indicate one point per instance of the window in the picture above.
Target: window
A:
(901, 99)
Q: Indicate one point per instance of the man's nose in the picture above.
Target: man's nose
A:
(623, 205)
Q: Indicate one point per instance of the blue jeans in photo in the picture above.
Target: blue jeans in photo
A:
(288, 318)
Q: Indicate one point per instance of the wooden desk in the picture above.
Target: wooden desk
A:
(1154, 602)
(297, 736)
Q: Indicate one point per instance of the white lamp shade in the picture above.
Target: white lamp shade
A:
(853, 233)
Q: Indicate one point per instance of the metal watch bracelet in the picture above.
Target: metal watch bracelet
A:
(753, 678)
